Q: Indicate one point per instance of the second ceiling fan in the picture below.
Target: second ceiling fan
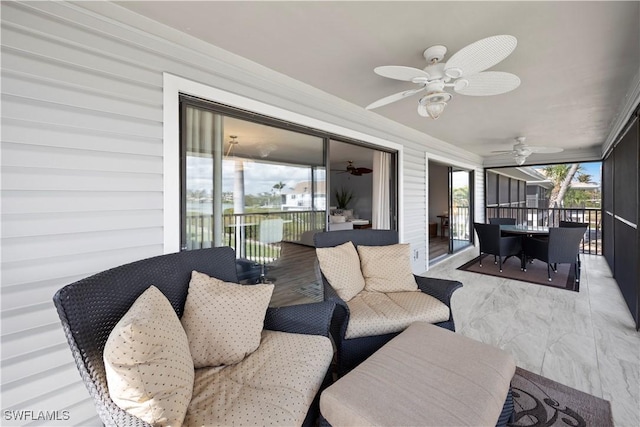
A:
(354, 170)
(464, 72)
(521, 150)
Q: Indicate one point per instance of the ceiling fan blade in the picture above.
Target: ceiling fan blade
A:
(489, 83)
(393, 98)
(364, 170)
(400, 72)
(502, 152)
(480, 55)
(544, 150)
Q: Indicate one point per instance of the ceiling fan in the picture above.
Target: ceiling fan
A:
(354, 170)
(521, 150)
(463, 72)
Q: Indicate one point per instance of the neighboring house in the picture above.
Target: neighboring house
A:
(300, 196)
(516, 187)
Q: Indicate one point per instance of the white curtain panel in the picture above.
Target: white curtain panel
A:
(380, 213)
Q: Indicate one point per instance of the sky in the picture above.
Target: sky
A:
(258, 177)
(593, 168)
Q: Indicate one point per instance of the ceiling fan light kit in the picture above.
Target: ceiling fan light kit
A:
(464, 73)
(520, 159)
(433, 104)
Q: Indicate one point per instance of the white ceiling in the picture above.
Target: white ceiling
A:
(577, 60)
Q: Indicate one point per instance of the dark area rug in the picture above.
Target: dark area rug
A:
(536, 272)
(540, 401)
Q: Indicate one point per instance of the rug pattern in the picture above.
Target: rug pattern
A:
(539, 401)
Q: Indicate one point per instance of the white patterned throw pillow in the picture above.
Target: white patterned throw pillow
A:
(341, 266)
(223, 321)
(387, 268)
(147, 362)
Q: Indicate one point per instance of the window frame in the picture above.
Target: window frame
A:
(175, 86)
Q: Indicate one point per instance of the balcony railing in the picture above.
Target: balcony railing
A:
(459, 226)
(242, 231)
(551, 217)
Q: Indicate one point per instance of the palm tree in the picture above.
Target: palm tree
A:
(561, 177)
(585, 178)
(279, 186)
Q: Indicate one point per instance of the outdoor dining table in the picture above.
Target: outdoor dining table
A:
(524, 230)
(528, 230)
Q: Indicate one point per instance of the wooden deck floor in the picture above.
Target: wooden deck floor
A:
(438, 247)
(294, 276)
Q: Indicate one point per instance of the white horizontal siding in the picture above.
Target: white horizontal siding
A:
(61, 113)
(48, 202)
(20, 294)
(81, 190)
(82, 167)
(56, 135)
(28, 178)
(43, 157)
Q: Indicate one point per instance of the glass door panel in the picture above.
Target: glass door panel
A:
(460, 192)
(257, 188)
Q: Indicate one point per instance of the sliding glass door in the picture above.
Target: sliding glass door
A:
(238, 173)
(460, 208)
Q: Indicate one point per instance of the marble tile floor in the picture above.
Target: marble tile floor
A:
(585, 340)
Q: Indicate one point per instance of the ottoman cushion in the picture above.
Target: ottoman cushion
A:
(426, 376)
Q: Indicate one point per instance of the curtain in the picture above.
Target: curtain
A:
(381, 182)
(203, 162)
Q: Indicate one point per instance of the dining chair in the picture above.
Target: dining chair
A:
(503, 221)
(271, 232)
(562, 247)
(571, 224)
(493, 243)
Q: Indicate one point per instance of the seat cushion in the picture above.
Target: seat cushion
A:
(426, 376)
(387, 268)
(341, 266)
(275, 385)
(147, 362)
(377, 313)
(223, 321)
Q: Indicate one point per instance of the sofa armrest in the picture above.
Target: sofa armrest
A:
(439, 288)
(311, 319)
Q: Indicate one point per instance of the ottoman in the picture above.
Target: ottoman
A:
(426, 376)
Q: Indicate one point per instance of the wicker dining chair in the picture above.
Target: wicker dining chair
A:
(493, 243)
(562, 247)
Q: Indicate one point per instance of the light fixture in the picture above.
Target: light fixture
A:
(520, 159)
(232, 143)
(521, 151)
(267, 149)
(433, 104)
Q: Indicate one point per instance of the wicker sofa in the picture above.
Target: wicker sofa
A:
(352, 351)
(90, 309)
